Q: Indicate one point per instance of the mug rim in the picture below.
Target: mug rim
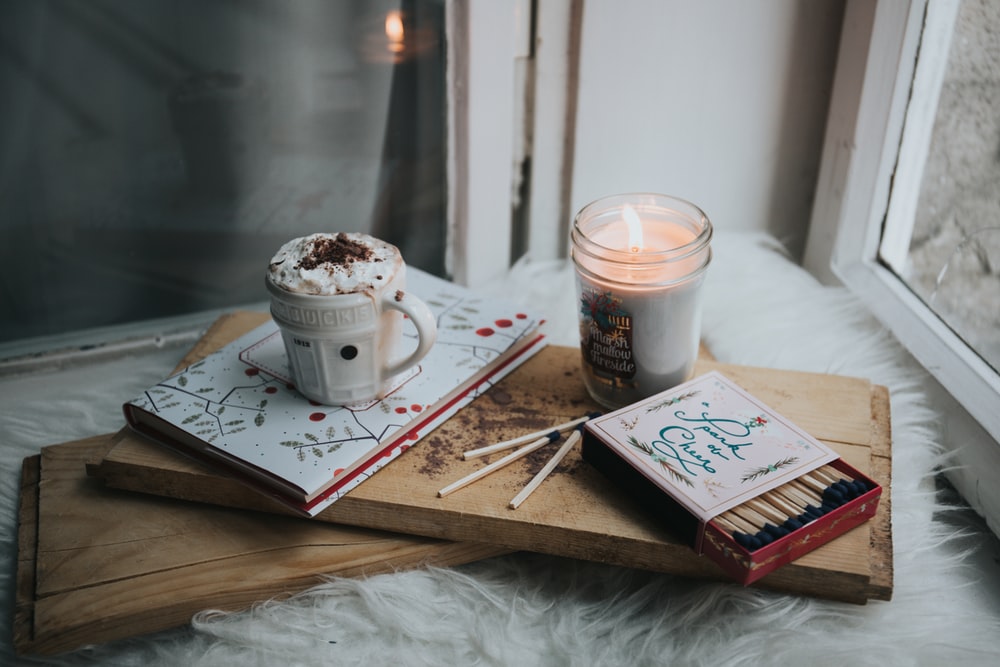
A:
(363, 295)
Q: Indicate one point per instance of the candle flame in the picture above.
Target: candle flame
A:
(394, 30)
(634, 228)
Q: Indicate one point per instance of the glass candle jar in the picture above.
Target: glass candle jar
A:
(640, 262)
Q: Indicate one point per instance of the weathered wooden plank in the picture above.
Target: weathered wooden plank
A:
(96, 564)
(575, 512)
(112, 564)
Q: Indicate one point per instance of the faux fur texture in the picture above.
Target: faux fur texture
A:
(760, 309)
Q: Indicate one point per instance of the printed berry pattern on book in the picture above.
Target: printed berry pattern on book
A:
(242, 401)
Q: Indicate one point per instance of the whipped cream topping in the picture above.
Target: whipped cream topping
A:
(329, 264)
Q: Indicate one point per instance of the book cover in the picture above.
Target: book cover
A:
(238, 407)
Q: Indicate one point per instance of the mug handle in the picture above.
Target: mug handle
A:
(423, 319)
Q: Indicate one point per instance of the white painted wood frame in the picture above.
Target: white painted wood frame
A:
(485, 41)
(876, 136)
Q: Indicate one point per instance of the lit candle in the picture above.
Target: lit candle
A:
(640, 262)
(394, 31)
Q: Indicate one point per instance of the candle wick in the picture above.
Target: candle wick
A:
(634, 248)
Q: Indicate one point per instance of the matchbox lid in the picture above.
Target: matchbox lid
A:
(709, 444)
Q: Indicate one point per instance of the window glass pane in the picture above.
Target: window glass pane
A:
(954, 253)
(153, 155)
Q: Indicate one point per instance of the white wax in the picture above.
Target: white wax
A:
(651, 341)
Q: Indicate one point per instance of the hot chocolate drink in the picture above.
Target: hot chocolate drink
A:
(339, 300)
(334, 264)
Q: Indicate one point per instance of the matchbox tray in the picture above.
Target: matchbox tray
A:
(730, 476)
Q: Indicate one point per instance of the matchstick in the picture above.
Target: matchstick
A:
(813, 483)
(783, 505)
(791, 493)
(767, 510)
(825, 475)
(805, 490)
(549, 467)
(514, 442)
(749, 535)
(799, 500)
(496, 465)
(835, 493)
(742, 532)
(750, 515)
(509, 444)
(848, 484)
(786, 508)
(733, 526)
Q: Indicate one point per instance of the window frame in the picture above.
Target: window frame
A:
(486, 40)
(512, 78)
(874, 91)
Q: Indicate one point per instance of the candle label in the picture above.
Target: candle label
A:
(710, 444)
(606, 337)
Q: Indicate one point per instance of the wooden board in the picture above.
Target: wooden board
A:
(96, 564)
(576, 512)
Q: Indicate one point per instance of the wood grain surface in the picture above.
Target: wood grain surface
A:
(575, 512)
(96, 564)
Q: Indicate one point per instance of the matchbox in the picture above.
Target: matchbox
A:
(736, 480)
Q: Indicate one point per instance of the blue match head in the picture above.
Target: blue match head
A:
(847, 489)
(817, 512)
(829, 507)
(806, 517)
(553, 436)
(593, 415)
(859, 487)
(791, 523)
(579, 427)
(744, 540)
(775, 531)
(764, 537)
(748, 542)
(832, 496)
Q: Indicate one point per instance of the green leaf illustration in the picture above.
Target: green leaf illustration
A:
(672, 401)
(672, 472)
(754, 473)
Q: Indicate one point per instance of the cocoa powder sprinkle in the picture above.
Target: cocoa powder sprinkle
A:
(340, 250)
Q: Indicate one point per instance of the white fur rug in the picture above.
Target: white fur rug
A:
(526, 609)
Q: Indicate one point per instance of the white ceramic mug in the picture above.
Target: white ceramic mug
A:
(343, 333)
